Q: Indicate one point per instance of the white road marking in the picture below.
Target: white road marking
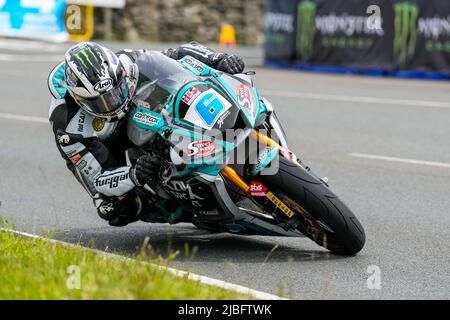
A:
(30, 57)
(31, 45)
(10, 116)
(403, 160)
(356, 99)
(178, 273)
(17, 73)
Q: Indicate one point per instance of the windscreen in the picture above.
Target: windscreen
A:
(160, 79)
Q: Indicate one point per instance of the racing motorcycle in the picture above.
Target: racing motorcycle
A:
(269, 191)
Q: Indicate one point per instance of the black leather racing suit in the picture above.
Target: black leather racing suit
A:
(94, 149)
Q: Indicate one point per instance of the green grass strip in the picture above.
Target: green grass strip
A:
(38, 269)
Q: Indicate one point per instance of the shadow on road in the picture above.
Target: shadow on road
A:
(203, 246)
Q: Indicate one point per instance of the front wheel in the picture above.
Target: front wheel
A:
(320, 214)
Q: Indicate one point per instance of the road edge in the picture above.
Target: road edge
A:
(260, 295)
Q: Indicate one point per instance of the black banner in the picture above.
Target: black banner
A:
(428, 37)
(385, 35)
(280, 29)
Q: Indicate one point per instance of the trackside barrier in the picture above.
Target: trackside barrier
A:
(403, 38)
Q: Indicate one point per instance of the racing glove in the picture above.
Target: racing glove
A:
(130, 208)
(231, 64)
(146, 170)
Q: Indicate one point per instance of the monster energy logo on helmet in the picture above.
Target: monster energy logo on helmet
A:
(306, 25)
(85, 55)
(405, 36)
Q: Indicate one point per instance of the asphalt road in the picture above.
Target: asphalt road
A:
(344, 127)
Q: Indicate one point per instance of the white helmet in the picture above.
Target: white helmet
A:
(97, 80)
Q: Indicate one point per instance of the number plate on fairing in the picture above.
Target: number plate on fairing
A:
(206, 109)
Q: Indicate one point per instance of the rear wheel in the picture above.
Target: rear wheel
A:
(323, 217)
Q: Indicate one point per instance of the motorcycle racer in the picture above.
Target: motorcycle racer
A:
(91, 93)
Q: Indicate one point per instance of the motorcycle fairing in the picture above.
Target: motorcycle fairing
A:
(184, 112)
(232, 85)
(246, 107)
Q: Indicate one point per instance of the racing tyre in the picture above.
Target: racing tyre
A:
(338, 230)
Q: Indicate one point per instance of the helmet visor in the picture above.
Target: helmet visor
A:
(109, 102)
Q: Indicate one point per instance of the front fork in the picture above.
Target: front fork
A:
(231, 175)
(286, 207)
(266, 199)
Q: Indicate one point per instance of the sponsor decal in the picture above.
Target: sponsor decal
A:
(71, 78)
(306, 15)
(183, 191)
(64, 139)
(279, 22)
(213, 212)
(146, 119)
(142, 103)
(257, 189)
(194, 65)
(81, 120)
(190, 95)
(405, 31)
(87, 171)
(244, 96)
(103, 85)
(410, 25)
(84, 56)
(279, 204)
(201, 148)
(335, 30)
(81, 164)
(133, 71)
(106, 208)
(222, 118)
(111, 113)
(98, 124)
(434, 27)
(113, 181)
(75, 158)
(262, 158)
(333, 24)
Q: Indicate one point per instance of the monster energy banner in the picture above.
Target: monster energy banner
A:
(390, 36)
(280, 29)
(422, 35)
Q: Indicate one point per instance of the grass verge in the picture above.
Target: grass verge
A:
(37, 269)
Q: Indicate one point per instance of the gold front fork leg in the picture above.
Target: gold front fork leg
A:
(234, 177)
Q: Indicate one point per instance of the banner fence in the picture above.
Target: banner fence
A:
(407, 38)
(36, 19)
